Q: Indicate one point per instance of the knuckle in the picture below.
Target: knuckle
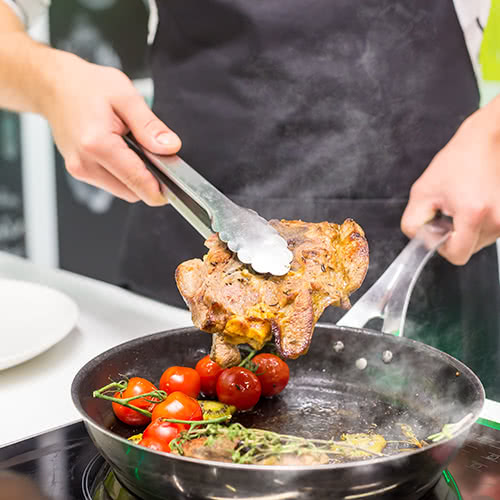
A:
(153, 124)
(417, 189)
(128, 196)
(116, 75)
(90, 143)
(76, 168)
(459, 260)
(495, 222)
(137, 176)
(454, 257)
(477, 212)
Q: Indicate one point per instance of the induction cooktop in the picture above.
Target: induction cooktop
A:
(64, 465)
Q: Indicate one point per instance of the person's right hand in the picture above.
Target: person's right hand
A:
(90, 108)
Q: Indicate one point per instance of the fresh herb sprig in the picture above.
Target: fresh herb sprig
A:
(257, 445)
(450, 430)
(114, 387)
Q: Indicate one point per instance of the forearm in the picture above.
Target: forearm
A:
(27, 68)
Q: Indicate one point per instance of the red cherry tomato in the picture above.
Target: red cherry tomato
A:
(159, 433)
(155, 445)
(209, 372)
(181, 378)
(272, 372)
(179, 406)
(239, 387)
(136, 386)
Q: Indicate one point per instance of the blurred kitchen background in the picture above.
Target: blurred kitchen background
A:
(57, 221)
(45, 214)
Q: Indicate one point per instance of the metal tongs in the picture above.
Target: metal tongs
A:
(209, 211)
(389, 296)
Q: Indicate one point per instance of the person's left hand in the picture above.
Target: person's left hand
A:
(463, 181)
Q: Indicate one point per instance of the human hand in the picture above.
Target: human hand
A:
(90, 108)
(463, 181)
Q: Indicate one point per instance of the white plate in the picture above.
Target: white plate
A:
(33, 318)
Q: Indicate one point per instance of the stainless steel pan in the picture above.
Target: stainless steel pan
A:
(328, 394)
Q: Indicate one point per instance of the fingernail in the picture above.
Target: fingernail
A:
(167, 139)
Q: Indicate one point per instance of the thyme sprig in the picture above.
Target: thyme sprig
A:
(450, 430)
(248, 363)
(256, 445)
(153, 397)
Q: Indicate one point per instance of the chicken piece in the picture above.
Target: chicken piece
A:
(227, 297)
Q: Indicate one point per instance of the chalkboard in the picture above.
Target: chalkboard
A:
(91, 222)
(12, 229)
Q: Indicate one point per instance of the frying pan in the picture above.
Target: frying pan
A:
(328, 394)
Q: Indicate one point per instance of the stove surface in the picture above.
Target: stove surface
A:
(64, 465)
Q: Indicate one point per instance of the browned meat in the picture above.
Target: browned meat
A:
(225, 353)
(221, 449)
(227, 297)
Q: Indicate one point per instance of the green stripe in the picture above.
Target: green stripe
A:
(488, 423)
(450, 479)
(490, 48)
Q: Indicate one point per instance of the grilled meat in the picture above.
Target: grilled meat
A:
(227, 297)
(221, 449)
(223, 352)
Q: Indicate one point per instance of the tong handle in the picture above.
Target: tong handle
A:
(389, 296)
(186, 190)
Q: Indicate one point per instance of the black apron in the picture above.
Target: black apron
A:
(320, 111)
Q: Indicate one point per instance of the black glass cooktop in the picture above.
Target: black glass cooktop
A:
(64, 465)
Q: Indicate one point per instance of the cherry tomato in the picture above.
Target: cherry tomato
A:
(135, 387)
(239, 387)
(179, 406)
(209, 372)
(181, 378)
(272, 372)
(155, 445)
(159, 433)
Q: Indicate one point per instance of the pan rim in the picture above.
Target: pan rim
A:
(282, 468)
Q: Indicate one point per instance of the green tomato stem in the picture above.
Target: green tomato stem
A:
(195, 423)
(120, 387)
(114, 386)
(253, 352)
(123, 402)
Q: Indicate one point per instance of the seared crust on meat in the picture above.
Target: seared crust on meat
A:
(224, 353)
(227, 297)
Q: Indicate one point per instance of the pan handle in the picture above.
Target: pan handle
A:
(389, 296)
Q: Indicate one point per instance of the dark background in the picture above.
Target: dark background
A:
(11, 198)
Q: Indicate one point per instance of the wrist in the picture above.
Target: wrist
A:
(53, 76)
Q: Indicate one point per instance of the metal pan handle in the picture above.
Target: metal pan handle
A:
(389, 296)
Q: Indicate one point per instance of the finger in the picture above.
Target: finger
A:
(119, 160)
(418, 211)
(464, 239)
(97, 176)
(147, 128)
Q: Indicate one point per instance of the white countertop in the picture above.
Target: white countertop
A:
(108, 316)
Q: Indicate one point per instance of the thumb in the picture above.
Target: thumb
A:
(147, 128)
